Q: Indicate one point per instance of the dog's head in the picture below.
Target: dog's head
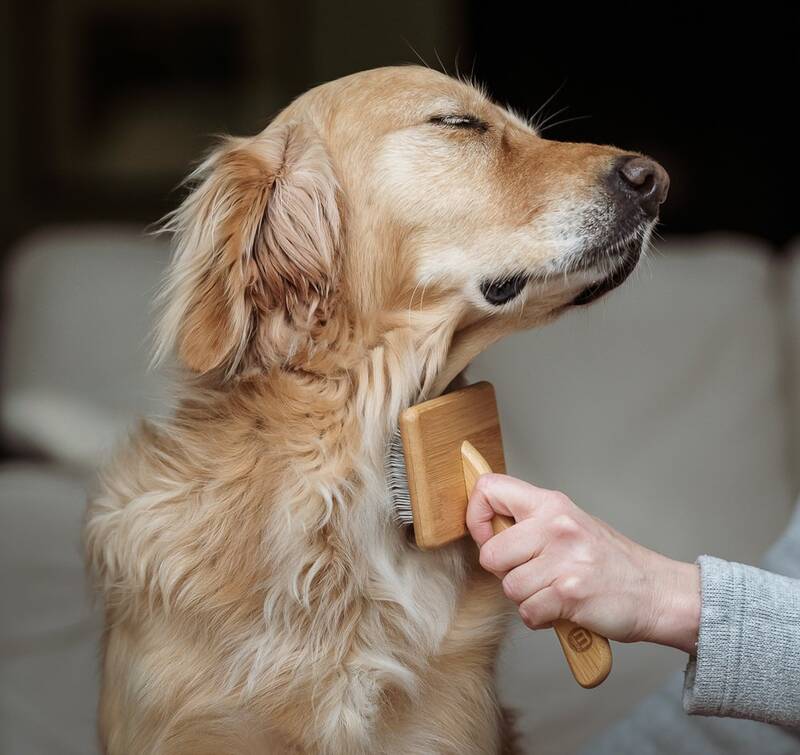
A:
(397, 191)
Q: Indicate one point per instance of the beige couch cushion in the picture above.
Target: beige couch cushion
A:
(77, 340)
(49, 636)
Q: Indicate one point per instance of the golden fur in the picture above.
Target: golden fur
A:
(259, 597)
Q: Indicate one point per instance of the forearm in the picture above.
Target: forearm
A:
(748, 649)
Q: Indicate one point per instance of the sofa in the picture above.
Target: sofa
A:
(671, 409)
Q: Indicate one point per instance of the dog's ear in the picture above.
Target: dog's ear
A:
(256, 250)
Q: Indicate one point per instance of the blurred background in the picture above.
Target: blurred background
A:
(670, 409)
(108, 104)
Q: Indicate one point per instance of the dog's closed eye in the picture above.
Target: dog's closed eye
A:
(460, 121)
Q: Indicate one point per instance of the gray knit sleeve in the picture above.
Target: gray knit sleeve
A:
(748, 650)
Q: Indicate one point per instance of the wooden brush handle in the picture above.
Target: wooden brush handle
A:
(587, 653)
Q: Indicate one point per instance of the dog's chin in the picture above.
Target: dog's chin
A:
(622, 265)
(604, 266)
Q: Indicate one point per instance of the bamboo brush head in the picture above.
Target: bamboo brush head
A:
(432, 433)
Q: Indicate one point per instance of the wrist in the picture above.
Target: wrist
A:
(675, 611)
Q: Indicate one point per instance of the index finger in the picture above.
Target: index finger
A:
(500, 494)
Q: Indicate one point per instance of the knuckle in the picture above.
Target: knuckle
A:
(564, 526)
(585, 554)
(570, 589)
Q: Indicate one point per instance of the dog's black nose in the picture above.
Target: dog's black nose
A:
(643, 180)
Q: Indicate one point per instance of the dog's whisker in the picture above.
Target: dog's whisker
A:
(549, 126)
(542, 125)
(457, 74)
(417, 54)
(441, 64)
(547, 102)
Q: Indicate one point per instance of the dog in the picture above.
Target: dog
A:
(346, 262)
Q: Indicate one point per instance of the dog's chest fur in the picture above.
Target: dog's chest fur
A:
(259, 544)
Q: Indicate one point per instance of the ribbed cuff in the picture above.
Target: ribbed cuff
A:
(707, 680)
(748, 651)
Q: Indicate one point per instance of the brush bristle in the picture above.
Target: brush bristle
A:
(397, 479)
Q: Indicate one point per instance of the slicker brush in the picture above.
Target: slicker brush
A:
(440, 449)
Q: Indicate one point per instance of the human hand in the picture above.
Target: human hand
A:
(558, 562)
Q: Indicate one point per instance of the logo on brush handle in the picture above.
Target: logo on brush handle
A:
(579, 639)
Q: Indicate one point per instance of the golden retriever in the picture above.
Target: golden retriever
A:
(346, 262)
